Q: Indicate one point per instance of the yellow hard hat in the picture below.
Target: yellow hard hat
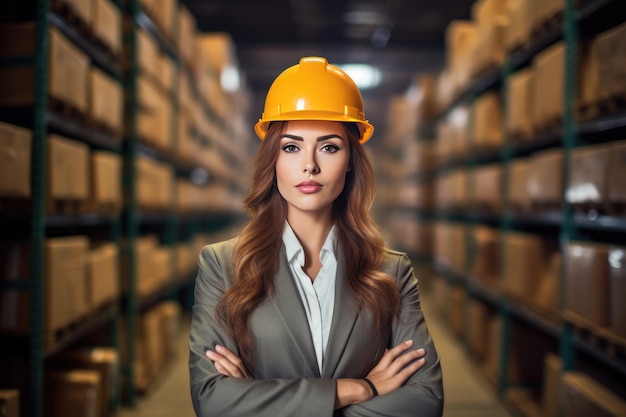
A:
(314, 90)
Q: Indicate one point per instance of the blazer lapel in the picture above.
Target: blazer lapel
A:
(345, 314)
(289, 306)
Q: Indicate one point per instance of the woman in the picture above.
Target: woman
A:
(306, 313)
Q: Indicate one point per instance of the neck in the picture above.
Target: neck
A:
(311, 231)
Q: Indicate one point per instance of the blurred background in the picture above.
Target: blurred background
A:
(126, 144)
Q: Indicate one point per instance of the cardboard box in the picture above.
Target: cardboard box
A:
(66, 296)
(104, 361)
(587, 282)
(147, 54)
(519, 18)
(617, 290)
(67, 68)
(74, 393)
(68, 169)
(543, 10)
(10, 403)
(524, 264)
(486, 259)
(166, 75)
(519, 103)
(487, 122)
(545, 177)
(217, 52)
(518, 185)
(552, 368)
(548, 295)
(108, 24)
(583, 396)
(187, 33)
(15, 158)
(67, 74)
(487, 195)
(588, 181)
(477, 328)
(613, 55)
(617, 172)
(15, 260)
(103, 281)
(489, 51)
(106, 100)
(549, 95)
(590, 81)
(106, 173)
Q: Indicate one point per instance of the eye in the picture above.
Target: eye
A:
(290, 148)
(330, 148)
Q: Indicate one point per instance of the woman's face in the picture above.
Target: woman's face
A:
(313, 159)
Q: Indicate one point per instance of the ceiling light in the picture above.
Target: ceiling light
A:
(365, 76)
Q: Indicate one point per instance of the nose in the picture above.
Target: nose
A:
(310, 165)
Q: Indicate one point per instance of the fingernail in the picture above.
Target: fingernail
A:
(218, 348)
(421, 351)
(408, 342)
(422, 360)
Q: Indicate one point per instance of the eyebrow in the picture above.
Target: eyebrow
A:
(319, 139)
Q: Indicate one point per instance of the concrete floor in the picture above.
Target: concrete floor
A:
(467, 393)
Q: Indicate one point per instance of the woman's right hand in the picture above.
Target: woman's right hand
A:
(396, 367)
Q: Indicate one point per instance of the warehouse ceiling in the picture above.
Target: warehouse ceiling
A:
(400, 37)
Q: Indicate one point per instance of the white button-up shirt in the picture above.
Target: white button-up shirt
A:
(318, 295)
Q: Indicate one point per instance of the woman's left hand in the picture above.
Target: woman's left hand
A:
(227, 363)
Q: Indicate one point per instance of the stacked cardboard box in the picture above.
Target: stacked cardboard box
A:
(486, 195)
(487, 134)
(520, 85)
(68, 169)
(104, 361)
(545, 179)
(68, 68)
(587, 282)
(15, 158)
(549, 87)
(73, 393)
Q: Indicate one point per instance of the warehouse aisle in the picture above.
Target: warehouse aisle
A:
(467, 392)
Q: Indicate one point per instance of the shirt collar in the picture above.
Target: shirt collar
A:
(294, 249)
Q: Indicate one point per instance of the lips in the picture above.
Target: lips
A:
(309, 187)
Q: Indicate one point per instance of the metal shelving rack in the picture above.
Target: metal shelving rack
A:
(41, 120)
(580, 19)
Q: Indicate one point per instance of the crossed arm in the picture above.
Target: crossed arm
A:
(392, 371)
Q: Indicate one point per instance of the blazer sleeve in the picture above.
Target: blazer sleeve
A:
(216, 395)
(422, 395)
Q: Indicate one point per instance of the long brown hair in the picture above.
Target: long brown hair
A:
(258, 247)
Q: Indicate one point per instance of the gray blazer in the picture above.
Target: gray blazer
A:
(287, 381)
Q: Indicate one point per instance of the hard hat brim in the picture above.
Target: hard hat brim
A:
(364, 126)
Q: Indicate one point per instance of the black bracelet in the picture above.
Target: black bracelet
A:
(372, 386)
